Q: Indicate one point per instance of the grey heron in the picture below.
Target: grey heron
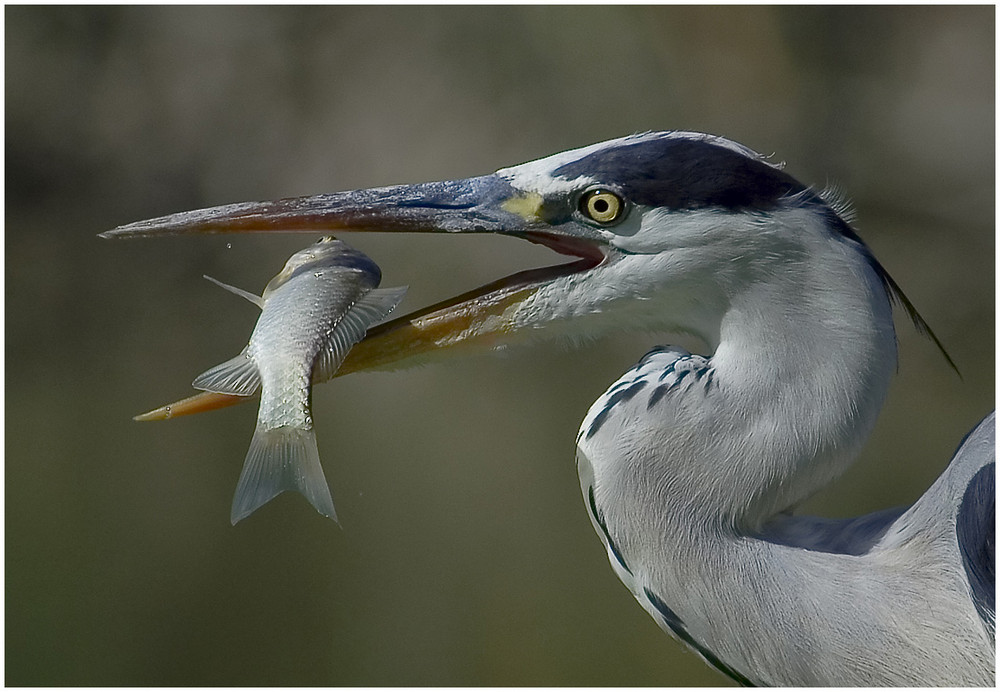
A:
(691, 465)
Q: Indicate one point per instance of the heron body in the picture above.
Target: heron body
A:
(691, 465)
(778, 599)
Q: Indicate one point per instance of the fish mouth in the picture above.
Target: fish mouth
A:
(481, 319)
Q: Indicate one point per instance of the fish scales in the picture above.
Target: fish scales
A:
(295, 324)
(312, 313)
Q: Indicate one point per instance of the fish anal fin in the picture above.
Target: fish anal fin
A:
(280, 459)
(237, 376)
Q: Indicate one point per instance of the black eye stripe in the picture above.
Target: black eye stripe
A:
(683, 173)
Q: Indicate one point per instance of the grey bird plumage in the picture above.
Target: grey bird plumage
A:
(691, 466)
(877, 600)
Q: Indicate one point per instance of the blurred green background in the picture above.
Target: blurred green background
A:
(466, 556)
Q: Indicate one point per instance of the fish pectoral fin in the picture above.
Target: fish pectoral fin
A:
(378, 303)
(256, 300)
(373, 307)
(237, 376)
(280, 459)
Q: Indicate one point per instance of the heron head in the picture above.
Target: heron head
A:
(664, 228)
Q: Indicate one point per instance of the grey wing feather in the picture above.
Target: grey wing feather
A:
(975, 525)
(974, 500)
(371, 308)
(854, 536)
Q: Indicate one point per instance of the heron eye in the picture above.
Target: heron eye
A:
(602, 206)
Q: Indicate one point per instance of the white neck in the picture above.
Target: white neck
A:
(803, 366)
(804, 349)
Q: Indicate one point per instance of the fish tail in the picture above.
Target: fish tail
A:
(280, 459)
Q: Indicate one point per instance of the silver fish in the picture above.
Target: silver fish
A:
(312, 313)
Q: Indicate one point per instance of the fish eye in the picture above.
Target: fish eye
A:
(602, 206)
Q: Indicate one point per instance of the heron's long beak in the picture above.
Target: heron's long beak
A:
(470, 205)
(481, 318)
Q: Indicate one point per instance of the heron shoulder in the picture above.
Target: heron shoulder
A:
(662, 371)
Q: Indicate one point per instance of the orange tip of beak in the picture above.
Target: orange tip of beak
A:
(204, 401)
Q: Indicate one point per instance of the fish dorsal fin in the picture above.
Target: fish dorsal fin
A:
(371, 308)
(256, 300)
(238, 376)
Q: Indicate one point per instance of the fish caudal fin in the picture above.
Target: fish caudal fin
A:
(237, 376)
(281, 459)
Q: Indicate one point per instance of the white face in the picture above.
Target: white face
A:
(723, 179)
(671, 266)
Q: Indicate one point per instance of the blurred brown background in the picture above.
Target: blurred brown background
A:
(466, 556)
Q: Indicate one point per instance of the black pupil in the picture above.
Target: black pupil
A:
(601, 206)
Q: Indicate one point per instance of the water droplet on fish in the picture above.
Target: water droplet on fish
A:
(167, 411)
